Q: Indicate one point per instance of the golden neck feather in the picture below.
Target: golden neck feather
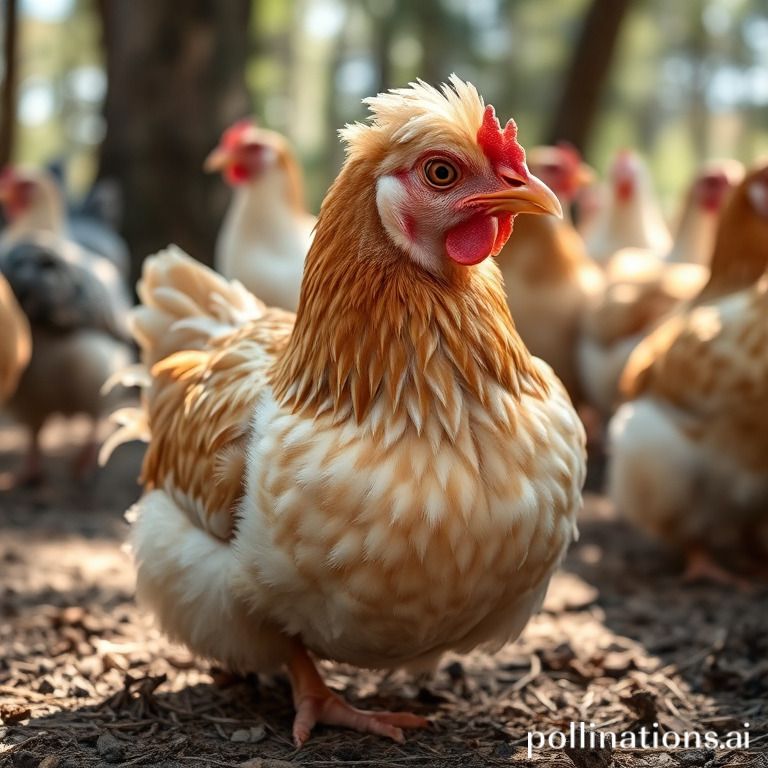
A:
(373, 324)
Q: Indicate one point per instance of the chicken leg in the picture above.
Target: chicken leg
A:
(316, 703)
(700, 566)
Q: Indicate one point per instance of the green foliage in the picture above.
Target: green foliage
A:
(313, 61)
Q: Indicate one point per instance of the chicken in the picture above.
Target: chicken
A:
(15, 341)
(631, 217)
(548, 276)
(76, 307)
(695, 236)
(639, 291)
(267, 231)
(385, 476)
(690, 447)
(33, 202)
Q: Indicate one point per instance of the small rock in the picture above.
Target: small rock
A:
(110, 748)
(52, 761)
(251, 735)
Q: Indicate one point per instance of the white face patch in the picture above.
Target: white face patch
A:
(415, 223)
(757, 192)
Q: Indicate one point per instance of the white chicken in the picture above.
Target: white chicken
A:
(267, 231)
(631, 217)
(385, 476)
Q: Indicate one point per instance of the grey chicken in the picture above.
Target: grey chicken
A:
(76, 305)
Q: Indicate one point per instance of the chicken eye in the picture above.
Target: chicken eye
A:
(440, 173)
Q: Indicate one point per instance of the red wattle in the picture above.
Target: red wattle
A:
(237, 173)
(505, 230)
(473, 240)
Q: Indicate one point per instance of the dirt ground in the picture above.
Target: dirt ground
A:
(621, 643)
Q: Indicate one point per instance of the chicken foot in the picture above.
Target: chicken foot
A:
(316, 703)
(701, 566)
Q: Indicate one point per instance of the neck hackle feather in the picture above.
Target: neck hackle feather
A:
(372, 326)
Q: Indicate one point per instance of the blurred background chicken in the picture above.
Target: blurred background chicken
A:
(639, 290)
(15, 341)
(630, 216)
(33, 201)
(548, 276)
(393, 474)
(76, 306)
(690, 448)
(700, 213)
(267, 231)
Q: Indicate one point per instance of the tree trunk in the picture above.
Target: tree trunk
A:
(176, 75)
(8, 99)
(588, 72)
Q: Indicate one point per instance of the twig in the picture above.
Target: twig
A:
(534, 672)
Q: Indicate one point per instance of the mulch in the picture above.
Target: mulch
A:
(85, 680)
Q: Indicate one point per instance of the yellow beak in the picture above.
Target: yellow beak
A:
(529, 196)
(217, 160)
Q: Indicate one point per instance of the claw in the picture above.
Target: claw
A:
(316, 703)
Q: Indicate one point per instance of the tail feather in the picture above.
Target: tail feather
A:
(184, 304)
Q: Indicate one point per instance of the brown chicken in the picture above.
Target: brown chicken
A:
(690, 447)
(548, 276)
(704, 201)
(385, 476)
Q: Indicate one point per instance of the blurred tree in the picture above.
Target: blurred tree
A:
(10, 81)
(176, 79)
(579, 104)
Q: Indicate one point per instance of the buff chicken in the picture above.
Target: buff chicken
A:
(548, 276)
(386, 475)
(641, 289)
(690, 447)
(695, 235)
(15, 341)
(267, 231)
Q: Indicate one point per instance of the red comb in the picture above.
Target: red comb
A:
(570, 154)
(233, 136)
(500, 147)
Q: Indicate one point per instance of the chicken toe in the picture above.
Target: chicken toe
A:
(316, 703)
(700, 566)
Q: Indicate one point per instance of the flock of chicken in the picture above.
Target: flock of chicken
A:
(389, 473)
